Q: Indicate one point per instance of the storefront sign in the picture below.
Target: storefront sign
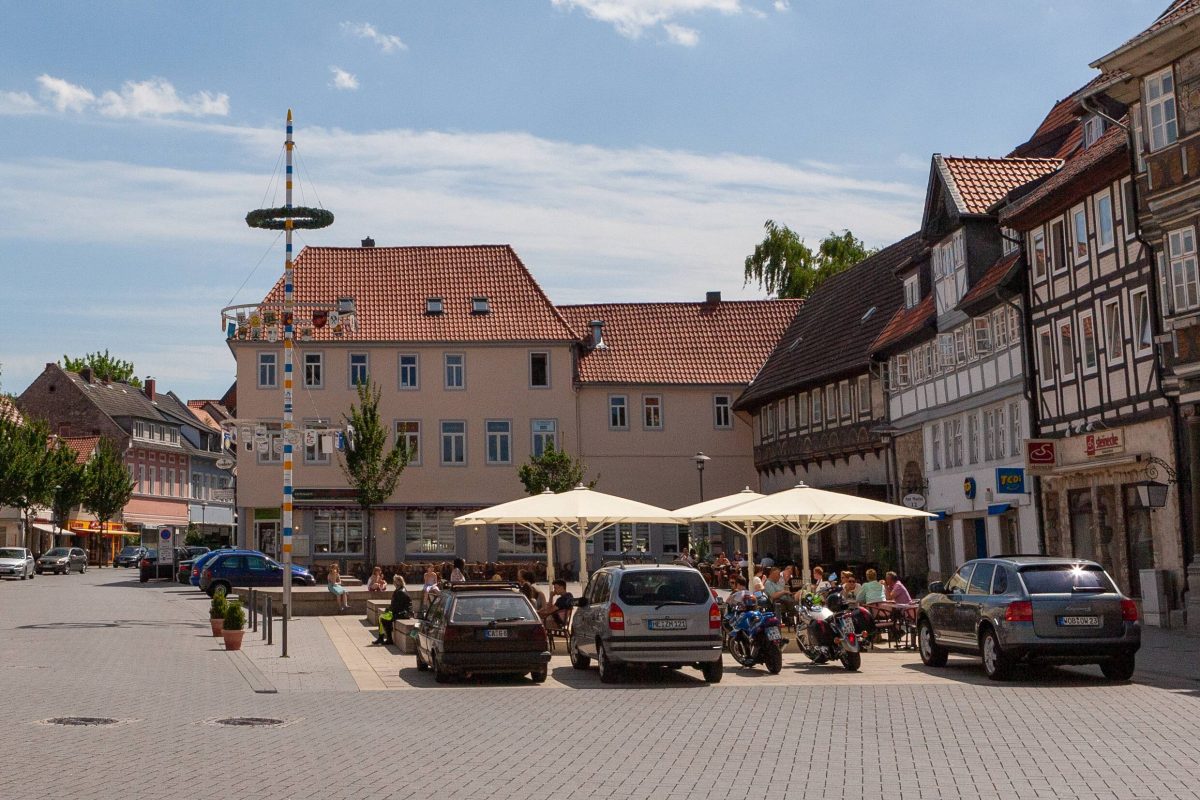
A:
(1010, 480)
(914, 500)
(223, 495)
(969, 488)
(1105, 443)
(225, 463)
(1041, 453)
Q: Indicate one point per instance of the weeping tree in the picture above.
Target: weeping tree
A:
(371, 467)
(107, 484)
(785, 266)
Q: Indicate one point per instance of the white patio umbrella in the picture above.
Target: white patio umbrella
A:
(580, 513)
(697, 512)
(803, 510)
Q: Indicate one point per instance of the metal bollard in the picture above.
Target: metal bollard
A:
(269, 621)
(253, 611)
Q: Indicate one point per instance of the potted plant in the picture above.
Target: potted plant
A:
(235, 623)
(216, 613)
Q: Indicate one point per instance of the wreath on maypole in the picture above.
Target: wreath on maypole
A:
(302, 218)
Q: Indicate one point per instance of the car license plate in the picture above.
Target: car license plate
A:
(1079, 622)
(773, 634)
(495, 633)
(666, 624)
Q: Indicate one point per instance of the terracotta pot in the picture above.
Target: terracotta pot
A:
(217, 625)
(233, 639)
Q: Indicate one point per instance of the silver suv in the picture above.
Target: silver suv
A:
(646, 614)
(1040, 609)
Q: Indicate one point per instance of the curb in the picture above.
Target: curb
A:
(253, 675)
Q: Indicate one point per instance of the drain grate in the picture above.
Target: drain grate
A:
(82, 721)
(246, 722)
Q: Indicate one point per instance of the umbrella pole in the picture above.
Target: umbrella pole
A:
(549, 557)
(807, 574)
(749, 559)
(583, 570)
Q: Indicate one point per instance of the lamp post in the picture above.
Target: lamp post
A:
(203, 516)
(54, 512)
(701, 460)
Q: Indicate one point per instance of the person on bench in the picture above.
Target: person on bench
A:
(400, 608)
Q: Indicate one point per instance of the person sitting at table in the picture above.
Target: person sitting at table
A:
(739, 594)
(757, 580)
(871, 591)
(895, 591)
(848, 588)
(819, 584)
(459, 573)
(776, 589)
(721, 566)
(525, 579)
(376, 582)
(558, 610)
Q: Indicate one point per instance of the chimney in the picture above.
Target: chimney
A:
(597, 327)
(148, 387)
(368, 242)
(712, 298)
(86, 374)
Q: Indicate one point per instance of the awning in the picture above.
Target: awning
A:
(1097, 464)
(37, 526)
(996, 509)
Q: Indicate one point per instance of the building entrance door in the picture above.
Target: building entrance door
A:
(267, 536)
(981, 548)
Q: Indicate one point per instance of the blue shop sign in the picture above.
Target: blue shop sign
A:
(1010, 480)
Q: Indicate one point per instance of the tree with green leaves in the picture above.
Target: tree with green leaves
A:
(555, 470)
(369, 464)
(26, 479)
(108, 485)
(103, 366)
(70, 483)
(785, 266)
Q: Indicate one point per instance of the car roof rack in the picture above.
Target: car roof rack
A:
(475, 586)
(648, 561)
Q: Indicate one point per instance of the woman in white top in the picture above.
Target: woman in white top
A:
(459, 573)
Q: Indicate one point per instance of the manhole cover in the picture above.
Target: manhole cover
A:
(82, 721)
(239, 722)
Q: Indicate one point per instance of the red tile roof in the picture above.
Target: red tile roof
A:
(978, 183)
(83, 446)
(905, 323)
(1058, 135)
(391, 284)
(680, 343)
(991, 280)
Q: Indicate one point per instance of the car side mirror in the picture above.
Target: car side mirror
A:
(582, 602)
(937, 587)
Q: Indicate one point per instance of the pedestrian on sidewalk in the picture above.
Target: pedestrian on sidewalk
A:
(337, 590)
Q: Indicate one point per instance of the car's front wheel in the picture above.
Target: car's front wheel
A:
(996, 664)
(1119, 668)
(932, 654)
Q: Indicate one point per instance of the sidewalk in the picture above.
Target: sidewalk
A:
(1170, 656)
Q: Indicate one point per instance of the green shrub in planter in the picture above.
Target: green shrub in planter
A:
(235, 616)
(218, 607)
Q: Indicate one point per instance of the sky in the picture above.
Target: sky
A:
(629, 150)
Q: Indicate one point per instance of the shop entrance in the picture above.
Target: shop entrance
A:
(974, 538)
(267, 535)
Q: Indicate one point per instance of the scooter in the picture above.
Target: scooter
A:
(753, 635)
(825, 634)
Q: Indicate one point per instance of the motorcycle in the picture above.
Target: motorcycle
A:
(752, 634)
(828, 633)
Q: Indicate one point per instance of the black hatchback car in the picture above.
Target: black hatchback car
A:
(482, 628)
(1034, 609)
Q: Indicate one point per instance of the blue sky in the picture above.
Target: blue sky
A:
(628, 149)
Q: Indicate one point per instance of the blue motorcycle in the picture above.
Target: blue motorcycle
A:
(752, 634)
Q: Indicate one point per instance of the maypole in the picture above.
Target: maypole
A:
(288, 218)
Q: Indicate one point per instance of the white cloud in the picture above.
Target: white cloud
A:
(678, 34)
(156, 97)
(387, 42)
(64, 95)
(343, 80)
(18, 103)
(781, 5)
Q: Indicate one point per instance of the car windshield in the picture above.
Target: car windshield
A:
(492, 609)
(1065, 579)
(11, 552)
(128, 551)
(666, 587)
(57, 551)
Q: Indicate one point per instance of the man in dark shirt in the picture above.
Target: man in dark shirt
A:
(557, 611)
(399, 608)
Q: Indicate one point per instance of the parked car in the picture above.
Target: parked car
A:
(482, 628)
(1035, 609)
(229, 568)
(129, 556)
(186, 557)
(16, 562)
(199, 562)
(646, 614)
(150, 568)
(61, 560)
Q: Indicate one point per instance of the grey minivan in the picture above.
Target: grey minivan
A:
(646, 614)
(1038, 609)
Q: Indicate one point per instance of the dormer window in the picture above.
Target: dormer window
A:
(433, 305)
(912, 291)
(1093, 129)
(479, 305)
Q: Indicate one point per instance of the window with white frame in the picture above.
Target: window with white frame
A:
(359, 368)
(1058, 245)
(626, 537)
(973, 438)
(545, 435)
(499, 441)
(1104, 221)
(950, 271)
(1008, 240)
(989, 435)
(314, 370)
(830, 404)
(409, 375)
(816, 407)
(935, 445)
(1001, 433)
(1114, 344)
(864, 395)
(722, 412)
(408, 435)
(618, 412)
(1139, 138)
(912, 291)
(933, 365)
(1160, 109)
(1079, 233)
(1129, 208)
(1185, 283)
(1066, 348)
(802, 410)
(271, 451)
(539, 370)
(946, 349)
(454, 443)
(455, 370)
(317, 445)
(1014, 428)
(769, 414)
(141, 479)
(652, 412)
(1164, 282)
(791, 413)
(983, 335)
(956, 430)
(1046, 356)
(268, 377)
(1093, 128)
(429, 531)
(1087, 340)
(1037, 245)
(847, 406)
(1014, 326)
(514, 540)
(162, 481)
(1000, 328)
(337, 531)
(1143, 334)
(960, 346)
(948, 442)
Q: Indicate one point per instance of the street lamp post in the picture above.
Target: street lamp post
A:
(701, 460)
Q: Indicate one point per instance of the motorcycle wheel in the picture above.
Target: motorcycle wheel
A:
(808, 648)
(739, 648)
(851, 661)
(773, 657)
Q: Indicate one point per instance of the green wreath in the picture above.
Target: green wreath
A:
(302, 217)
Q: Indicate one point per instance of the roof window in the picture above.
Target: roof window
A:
(433, 305)
(870, 313)
(479, 305)
(1093, 128)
